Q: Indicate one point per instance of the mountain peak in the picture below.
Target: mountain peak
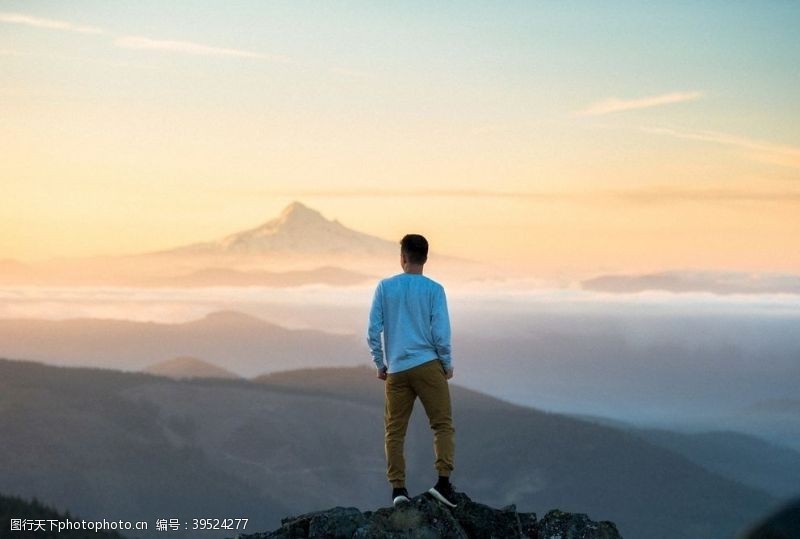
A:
(297, 231)
(299, 211)
(300, 229)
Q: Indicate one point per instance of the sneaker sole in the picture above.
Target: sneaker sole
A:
(435, 493)
(400, 499)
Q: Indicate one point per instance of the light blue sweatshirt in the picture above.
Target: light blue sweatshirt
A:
(411, 311)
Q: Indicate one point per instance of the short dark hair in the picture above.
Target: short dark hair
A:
(415, 248)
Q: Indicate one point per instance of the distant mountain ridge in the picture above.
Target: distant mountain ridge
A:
(216, 276)
(103, 442)
(238, 342)
(681, 281)
(188, 367)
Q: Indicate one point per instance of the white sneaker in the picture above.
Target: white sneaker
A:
(399, 495)
(444, 494)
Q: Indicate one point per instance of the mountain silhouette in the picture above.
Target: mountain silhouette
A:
(239, 342)
(34, 512)
(188, 367)
(687, 280)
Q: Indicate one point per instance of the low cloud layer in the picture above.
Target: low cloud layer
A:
(759, 150)
(716, 282)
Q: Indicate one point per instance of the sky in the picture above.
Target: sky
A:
(561, 138)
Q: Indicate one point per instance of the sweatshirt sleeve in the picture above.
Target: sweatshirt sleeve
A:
(376, 328)
(440, 328)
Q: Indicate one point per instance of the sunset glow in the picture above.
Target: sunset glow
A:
(557, 141)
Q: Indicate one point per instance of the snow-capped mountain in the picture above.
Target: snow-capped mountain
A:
(298, 230)
(299, 246)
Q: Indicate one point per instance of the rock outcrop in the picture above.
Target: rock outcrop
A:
(426, 518)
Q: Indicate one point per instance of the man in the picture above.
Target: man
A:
(411, 312)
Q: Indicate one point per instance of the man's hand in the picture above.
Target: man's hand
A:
(382, 373)
(449, 372)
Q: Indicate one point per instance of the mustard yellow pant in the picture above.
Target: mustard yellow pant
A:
(427, 381)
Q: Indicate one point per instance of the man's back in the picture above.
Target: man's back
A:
(411, 311)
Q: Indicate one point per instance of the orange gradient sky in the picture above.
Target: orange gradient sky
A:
(559, 139)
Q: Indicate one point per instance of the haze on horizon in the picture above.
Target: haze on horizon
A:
(560, 141)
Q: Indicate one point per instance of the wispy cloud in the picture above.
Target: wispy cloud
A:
(769, 152)
(668, 194)
(39, 22)
(369, 192)
(394, 193)
(614, 104)
(189, 47)
(649, 195)
(138, 42)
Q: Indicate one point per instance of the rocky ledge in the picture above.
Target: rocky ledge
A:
(424, 517)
